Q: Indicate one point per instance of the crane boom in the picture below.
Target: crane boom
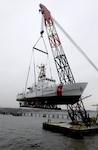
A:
(61, 62)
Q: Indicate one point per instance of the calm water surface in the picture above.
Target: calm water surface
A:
(26, 133)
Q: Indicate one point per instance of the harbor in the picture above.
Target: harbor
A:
(26, 133)
(49, 75)
(23, 112)
(56, 121)
(45, 93)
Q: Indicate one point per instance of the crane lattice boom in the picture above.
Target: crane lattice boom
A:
(62, 65)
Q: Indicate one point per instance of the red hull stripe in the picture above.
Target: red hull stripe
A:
(59, 90)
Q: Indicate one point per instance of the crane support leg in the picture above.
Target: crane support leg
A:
(77, 112)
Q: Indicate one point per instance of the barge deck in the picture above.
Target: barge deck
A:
(74, 131)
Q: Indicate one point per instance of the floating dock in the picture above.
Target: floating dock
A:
(74, 131)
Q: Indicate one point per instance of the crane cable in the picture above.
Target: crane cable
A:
(28, 72)
(77, 46)
(32, 55)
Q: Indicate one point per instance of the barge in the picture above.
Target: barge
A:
(71, 130)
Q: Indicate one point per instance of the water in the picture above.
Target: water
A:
(26, 133)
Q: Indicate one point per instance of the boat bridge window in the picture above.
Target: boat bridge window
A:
(50, 80)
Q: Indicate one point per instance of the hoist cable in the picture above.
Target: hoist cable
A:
(47, 56)
(28, 72)
(77, 46)
(34, 68)
(32, 55)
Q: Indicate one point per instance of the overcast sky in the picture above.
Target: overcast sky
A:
(20, 23)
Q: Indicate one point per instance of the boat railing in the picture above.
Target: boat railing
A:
(21, 94)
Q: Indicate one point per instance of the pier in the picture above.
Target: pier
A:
(34, 113)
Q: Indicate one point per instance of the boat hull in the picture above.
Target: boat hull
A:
(58, 95)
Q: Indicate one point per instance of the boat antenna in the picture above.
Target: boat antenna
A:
(76, 45)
